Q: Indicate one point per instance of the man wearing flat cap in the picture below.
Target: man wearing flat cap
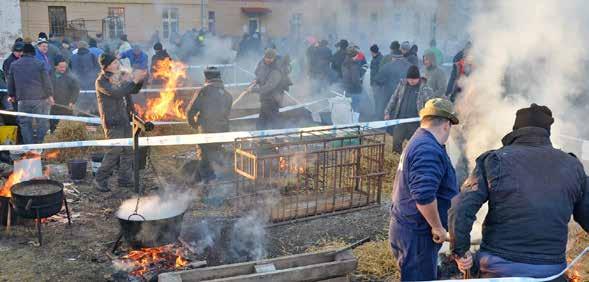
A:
(424, 186)
(532, 190)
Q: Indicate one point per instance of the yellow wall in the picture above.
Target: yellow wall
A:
(142, 17)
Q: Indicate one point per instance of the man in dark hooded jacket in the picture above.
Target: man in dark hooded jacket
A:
(388, 77)
(84, 66)
(113, 92)
(532, 190)
(208, 112)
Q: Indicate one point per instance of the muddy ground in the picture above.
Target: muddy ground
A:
(78, 252)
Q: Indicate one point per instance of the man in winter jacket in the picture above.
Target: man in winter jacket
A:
(160, 55)
(113, 91)
(423, 189)
(435, 76)
(406, 102)
(395, 53)
(17, 50)
(532, 190)
(337, 60)
(42, 54)
(30, 86)
(85, 67)
(66, 88)
(352, 78)
(410, 52)
(461, 67)
(137, 58)
(208, 112)
(270, 85)
(374, 63)
(388, 78)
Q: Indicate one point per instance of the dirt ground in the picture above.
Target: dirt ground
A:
(78, 252)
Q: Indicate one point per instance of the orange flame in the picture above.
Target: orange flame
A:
(164, 258)
(14, 178)
(166, 106)
(52, 155)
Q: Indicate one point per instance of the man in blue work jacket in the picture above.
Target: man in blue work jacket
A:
(423, 189)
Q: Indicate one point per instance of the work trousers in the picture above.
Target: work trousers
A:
(269, 114)
(401, 133)
(491, 266)
(416, 253)
(117, 155)
(210, 153)
(33, 133)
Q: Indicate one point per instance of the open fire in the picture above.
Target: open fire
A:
(158, 259)
(166, 106)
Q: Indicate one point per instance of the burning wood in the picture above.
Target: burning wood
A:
(166, 107)
(158, 259)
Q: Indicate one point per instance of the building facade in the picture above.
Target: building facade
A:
(362, 21)
(139, 19)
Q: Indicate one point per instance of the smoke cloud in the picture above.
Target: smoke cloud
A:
(524, 52)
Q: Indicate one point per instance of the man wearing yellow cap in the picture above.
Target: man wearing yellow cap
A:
(423, 189)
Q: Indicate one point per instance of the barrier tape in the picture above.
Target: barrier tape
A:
(206, 66)
(95, 120)
(157, 90)
(194, 139)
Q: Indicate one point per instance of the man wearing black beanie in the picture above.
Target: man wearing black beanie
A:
(113, 93)
(208, 112)
(532, 190)
(408, 99)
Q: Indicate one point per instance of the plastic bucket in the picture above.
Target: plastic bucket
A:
(77, 169)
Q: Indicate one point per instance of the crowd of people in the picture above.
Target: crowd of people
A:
(520, 181)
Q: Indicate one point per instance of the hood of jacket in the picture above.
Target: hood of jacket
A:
(532, 136)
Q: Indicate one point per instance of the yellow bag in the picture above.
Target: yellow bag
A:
(8, 134)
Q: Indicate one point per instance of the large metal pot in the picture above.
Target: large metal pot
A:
(37, 205)
(148, 233)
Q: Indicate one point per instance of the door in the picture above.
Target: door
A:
(254, 25)
(57, 20)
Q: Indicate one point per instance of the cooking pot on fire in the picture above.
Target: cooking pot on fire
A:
(154, 224)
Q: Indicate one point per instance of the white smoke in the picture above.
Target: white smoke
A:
(524, 52)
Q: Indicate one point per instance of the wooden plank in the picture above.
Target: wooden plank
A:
(229, 270)
(337, 279)
(169, 277)
(305, 273)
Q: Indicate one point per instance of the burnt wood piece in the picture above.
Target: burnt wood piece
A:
(309, 267)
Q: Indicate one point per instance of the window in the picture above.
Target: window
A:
(116, 22)
(212, 21)
(170, 21)
(57, 20)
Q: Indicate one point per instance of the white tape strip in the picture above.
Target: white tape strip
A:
(193, 139)
(206, 66)
(156, 90)
(94, 120)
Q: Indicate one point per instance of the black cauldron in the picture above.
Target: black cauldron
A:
(39, 205)
(140, 233)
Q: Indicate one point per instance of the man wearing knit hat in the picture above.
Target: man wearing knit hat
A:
(208, 112)
(409, 97)
(30, 87)
(424, 186)
(270, 84)
(113, 93)
(532, 190)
